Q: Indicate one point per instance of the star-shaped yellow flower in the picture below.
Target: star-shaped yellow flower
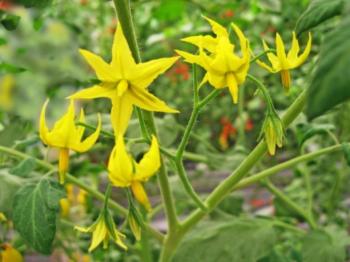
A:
(216, 55)
(66, 135)
(102, 230)
(280, 62)
(125, 82)
(125, 172)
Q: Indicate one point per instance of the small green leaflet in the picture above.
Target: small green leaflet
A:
(34, 213)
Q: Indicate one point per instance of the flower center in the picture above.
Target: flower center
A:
(122, 87)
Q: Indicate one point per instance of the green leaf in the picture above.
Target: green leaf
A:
(325, 246)
(240, 240)
(317, 12)
(24, 168)
(330, 84)
(9, 185)
(34, 213)
(10, 22)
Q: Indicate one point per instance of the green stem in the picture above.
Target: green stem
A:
(262, 54)
(71, 179)
(290, 203)
(145, 117)
(264, 91)
(240, 113)
(285, 165)
(226, 186)
(306, 172)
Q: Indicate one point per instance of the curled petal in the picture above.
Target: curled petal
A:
(89, 141)
(150, 162)
(301, 59)
(43, 130)
(293, 52)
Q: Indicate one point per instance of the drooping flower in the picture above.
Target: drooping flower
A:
(124, 171)
(273, 131)
(65, 135)
(9, 254)
(282, 62)
(125, 82)
(103, 229)
(217, 56)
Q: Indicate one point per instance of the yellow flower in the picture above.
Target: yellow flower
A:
(216, 55)
(280, 62)
(102, 230)
(125, 172)
(273, 132)
(66, 135)
(2, 217)
(10, 254)
(125, 82)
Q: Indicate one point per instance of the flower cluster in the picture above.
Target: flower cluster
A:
(125, 83)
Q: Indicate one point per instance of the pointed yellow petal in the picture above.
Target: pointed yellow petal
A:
(145, 73)
(293, 52)
(203, 41)
(122, 59)
(281, 53)
(43, 130)
(120, 165)
(80, 129)
(233, 87)
(150, 163)
(243, 41)
(98, 235)
(190, 58)
(145, 100)
(301, 59)
(89, 141)
(218, 29)
(267, 67)
(140, 195)
(103, 70)
(275, 62)
(120, 114)
(97, 91)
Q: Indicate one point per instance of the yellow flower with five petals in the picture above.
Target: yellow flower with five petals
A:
(216, 55)
(125, 172)
(66, 135)
(282, 62)
(125, 82)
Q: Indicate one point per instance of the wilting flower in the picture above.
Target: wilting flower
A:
(125, 82)
(125, 172)
(9, 254)
(280, 62)
(102, 229)
(273, 131)
(216, 55)
(66, 135)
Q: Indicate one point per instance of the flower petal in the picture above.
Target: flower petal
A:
(218, 29)
(145, 73)
(202, 41)
(89, 141)
(150, 163)
(96, 91)
(140, 195)
(121, 113)
(120, 165)
(301, 59)
(145, 100)
(293, 52)
(233, 87)
(103, 70)
(99, 234)
(122, 59)
(281, 53)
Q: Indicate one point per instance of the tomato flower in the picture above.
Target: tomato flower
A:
(273, 132)
(102, 229)
(9, 253)
(125, 172)
(216, 55)
(280, 62)
(125, 82)
(66, 135)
